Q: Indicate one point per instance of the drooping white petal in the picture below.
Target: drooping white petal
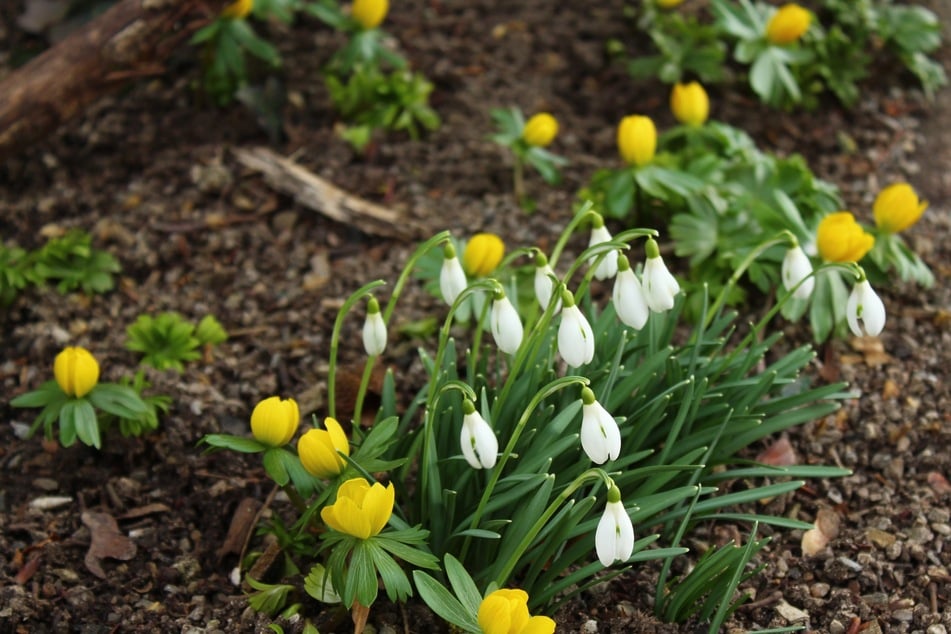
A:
(545, 286)
(608, 266)
(479, 444)
(452, 279)
(866, 306)
(797, 268)
(660, 287)
(506, 325)
(629, 301)
(374, 334)
(575, 337)
(614, 538)
(600, 435)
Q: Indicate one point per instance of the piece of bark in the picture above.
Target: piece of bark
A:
(242, 523)
(319, 195)
(130, 40)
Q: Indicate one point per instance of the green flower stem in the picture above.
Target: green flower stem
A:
(541, 395)
(518, 179)
(590, 474)
(477, 342)
(335, 342)
(847, 267)
(783, 236)
(299, 502)
(362, 390)
(583, 214)
(420, 251)
(431, 499)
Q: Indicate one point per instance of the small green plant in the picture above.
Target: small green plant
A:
(82, 406)
(167, 341)
(370, 84)
(527, 142)
(72, 263)
(227, 41)
(16, 273)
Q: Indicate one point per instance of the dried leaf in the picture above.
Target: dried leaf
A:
(890, 390)
(142, 511)
(779, 454)
(242, 523)
(826, 529)
(27, 571)
(107, 541)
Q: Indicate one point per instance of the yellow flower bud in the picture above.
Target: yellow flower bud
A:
(637, 140)
(318, 449)
(361, 510)
(840, 238)
(238, 10)
(483, 253)
(669, 4)
(690, 104)
(274, 421)
(370, 13)
(540, 130)
(788, 24)
(505, 611)
(897, 207)
(76, 371)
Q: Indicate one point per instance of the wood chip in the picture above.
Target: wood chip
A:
(242, 523)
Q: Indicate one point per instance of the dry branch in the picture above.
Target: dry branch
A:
(317, 194)
(129, 40)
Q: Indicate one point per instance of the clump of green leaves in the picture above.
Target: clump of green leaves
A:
(229, 39)
(844, 41)
(370, 84)
(168, 341)
(69, 261)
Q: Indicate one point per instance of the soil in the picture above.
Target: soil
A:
(151, 173)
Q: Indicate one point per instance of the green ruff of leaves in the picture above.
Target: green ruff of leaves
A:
(167, 341)
(72, 263)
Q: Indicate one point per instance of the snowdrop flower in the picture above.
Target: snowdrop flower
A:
(505, 324)
(614, 538)
(599, 234)
(544, 285)
(479, 444)
(452, 279)
(628, 296)
(575, 337)
(374, 330)
(660, 287)
(864, 304)
(797, 268)
(600, 436)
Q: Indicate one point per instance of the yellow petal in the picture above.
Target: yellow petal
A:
(539, 625)
(378, 506)
(483, 253)
(318, 455)
(346, 517)
(540, 130)
(337, 436)
(494, 615)
(637, 140)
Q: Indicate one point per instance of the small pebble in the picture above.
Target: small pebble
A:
(819, 590)
(937, 628)
(590, 627)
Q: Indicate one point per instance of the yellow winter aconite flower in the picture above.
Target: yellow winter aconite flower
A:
(274, 421)
(238, 9)
(370, 13)
(690, 103)
(76, 371)
(361, 510)
(637, 139)
(669, 4)
(483, 253)
(840, 238)
(505, 611)
(788, 24)
(540, 130)
(318, 449)
(897, 207)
